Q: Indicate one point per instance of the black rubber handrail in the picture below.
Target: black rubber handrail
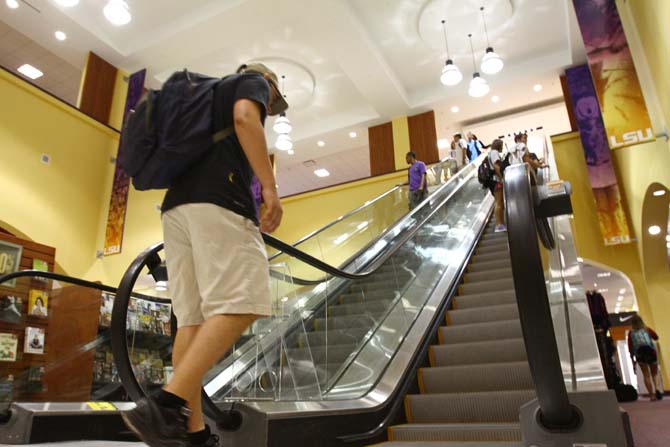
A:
(556, 412)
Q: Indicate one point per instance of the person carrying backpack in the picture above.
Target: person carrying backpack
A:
(643, 351)
(216, 259)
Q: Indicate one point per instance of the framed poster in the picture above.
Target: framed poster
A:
(10, 259)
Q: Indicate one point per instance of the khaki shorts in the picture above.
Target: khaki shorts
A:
(217, 264)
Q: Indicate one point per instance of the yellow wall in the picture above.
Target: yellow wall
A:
(637, 168)
(400, 141)
(119, 100)
(57, 204)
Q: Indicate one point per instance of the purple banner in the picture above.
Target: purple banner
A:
(611, 215)
(118, 203)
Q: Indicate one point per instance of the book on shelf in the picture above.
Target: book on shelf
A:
(42, 266)
(38, 303)
(7, 388)
(34, 342)
(35, 383)
(142, 315)
(8, 347)
(106, 309)
(11, 309)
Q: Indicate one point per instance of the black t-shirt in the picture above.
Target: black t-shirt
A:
(223, 176)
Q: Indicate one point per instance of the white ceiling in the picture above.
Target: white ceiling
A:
(349, 64)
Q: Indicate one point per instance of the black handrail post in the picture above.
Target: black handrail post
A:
(534, 309)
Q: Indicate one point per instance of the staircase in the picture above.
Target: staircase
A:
(478, 375)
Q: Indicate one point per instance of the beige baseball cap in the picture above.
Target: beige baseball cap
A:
(279, 104)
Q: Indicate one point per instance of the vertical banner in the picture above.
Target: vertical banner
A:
(116, 218)
(611, 216)
(622, 103)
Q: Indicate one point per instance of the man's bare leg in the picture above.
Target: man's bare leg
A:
(184, 339)
(213, 338)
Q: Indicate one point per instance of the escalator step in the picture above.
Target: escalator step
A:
(478, 300)
(493, 313)
(494, 256)
(381, 285)
(351, 336)
(368, 296)
(490, 406)
(488, 435)
(499, 273)
(477, 353)
(486, 286)
(479, 266)
(485, 377)
(347, 322)
(321, 355)
(476, 332)
(492, 246)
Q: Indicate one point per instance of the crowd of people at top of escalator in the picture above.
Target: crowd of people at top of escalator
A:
(463, 152)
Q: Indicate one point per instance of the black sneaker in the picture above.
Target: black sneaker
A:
(158, 426)
(659, 395)
(213, 441)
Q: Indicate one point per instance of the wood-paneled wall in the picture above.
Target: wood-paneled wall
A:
(382, 156)
(97, 90)
(423, 137)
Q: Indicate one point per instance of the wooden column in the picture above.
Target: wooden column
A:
(97, 88)
(382, 156)
(423, 137)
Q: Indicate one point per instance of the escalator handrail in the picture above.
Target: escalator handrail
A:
(349, 214)
(75, 281)
(537, 325)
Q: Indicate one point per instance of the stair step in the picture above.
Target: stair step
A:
(368, 307)
(490, 406)
(495, 256)
(487, 275)
(346, 322)
(479, 300)
(492, 245)
(492, 235)
(451, 435)
(485, 377)
(477, 353)
(486, 286)
(499, 312)
(480, 266)
(475, 332)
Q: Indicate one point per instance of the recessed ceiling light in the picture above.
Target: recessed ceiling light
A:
(495, 98)
(321, 173)
(595, 284)
(604, 275)
(68, 3)
(580, 259)
(321, 143)
(442, 143)
(60, 35)
(291, 152)
(537, 87)
(667, 238)
(117, 12)
(659, 193)
(353, 134)
(654, 230)
(622, 291)
(13, 4)
(455, 109)
(30, 71)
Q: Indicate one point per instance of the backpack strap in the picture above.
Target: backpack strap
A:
(223, 134)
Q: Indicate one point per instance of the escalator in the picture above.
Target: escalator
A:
(417, 336)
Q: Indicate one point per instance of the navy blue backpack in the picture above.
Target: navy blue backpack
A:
(169, 130)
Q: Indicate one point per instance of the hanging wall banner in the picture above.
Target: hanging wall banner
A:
(611, 216)
(617, 85)
(118, 203)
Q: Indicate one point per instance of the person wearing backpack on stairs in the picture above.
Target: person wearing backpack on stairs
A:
(216, 259)
(496, 184)
(642, 349)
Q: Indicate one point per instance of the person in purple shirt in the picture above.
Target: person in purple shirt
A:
(418, 188)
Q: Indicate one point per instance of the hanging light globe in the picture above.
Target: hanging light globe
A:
(282, 125)
(451, 75)
(117, 12)
(284, 143)
(478, 86)
(491, 62)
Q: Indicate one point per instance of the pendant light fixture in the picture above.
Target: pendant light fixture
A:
(491, 62)
(451, 75)
(284, 142)
(478, 85)
(282, 125)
